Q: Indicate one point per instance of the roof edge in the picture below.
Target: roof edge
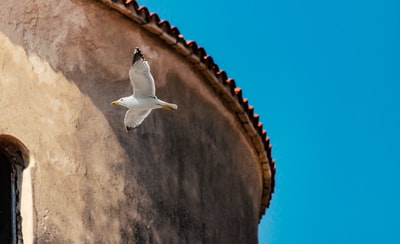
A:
(219, 80)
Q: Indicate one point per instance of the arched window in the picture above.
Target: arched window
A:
(13, 160)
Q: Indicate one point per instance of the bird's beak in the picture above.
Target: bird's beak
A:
(115, 103)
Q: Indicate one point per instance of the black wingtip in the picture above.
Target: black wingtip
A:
(130, 128)
(137, 55)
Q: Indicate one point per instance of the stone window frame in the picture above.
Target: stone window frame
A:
(18, 157)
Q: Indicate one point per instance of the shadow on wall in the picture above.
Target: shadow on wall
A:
(182, 163)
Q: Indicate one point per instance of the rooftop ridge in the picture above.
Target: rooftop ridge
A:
(222, 83)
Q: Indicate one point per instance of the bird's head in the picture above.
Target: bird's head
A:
(122, 102)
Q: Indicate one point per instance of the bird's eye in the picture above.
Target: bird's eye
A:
(122, 100)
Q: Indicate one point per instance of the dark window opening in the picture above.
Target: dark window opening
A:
(5, 200)
(10, 185)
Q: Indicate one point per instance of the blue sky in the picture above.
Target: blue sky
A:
(325, 78)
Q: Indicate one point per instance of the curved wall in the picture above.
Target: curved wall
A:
(185, 175)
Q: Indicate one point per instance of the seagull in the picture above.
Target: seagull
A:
(144, 97)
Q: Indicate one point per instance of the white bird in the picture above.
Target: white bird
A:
(144, 98)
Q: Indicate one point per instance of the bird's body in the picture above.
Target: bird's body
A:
(143, 99)
(140, 103)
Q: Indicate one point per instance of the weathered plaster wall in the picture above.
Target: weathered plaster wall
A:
(183, 176)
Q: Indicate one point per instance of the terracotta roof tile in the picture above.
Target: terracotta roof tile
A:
(143, 12)
(152, 25)
(154, 19)
(205, 63)
(264, 135)
(245, 103)
(209, 61)
(201, 53)
(175, 32)
(221, 75)
(165, 26)
(192, 46)
(130, 4)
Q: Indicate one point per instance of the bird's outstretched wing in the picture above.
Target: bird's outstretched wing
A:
(134, 117)
(140, 76)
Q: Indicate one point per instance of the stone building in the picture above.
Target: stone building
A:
(70, 173)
